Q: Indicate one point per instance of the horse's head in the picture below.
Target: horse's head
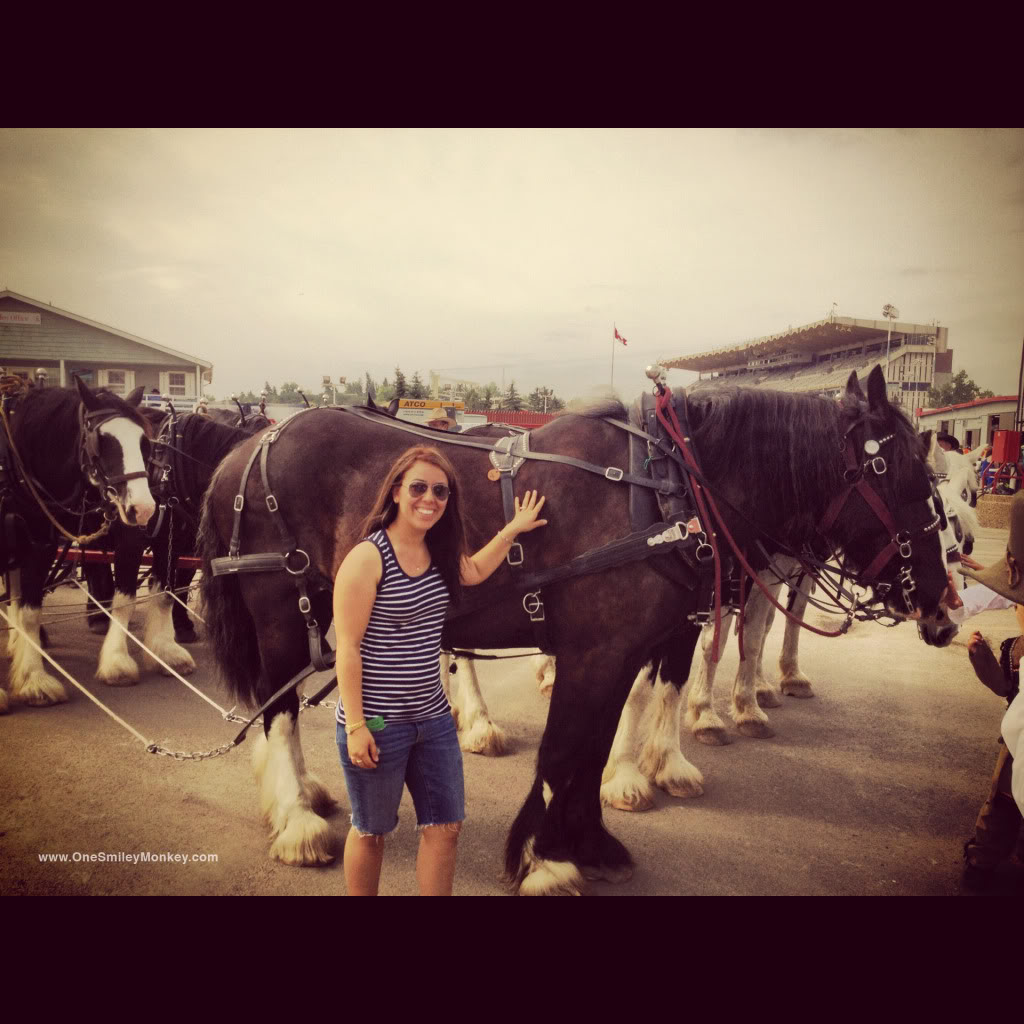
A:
(115, 447)
(886, 510)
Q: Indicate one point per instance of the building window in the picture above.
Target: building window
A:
(118, 381)
(176, 383)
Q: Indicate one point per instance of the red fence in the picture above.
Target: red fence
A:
(528, 420)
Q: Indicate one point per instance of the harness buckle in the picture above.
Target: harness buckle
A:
(304, 605)
(271, 503)
(705, 552)
(239, 502)
(534, 606)
(613, 473)
(515, 550)
(876, 462)
(903, 539)
(302, 569)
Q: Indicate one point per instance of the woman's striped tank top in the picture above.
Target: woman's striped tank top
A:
(402, 643)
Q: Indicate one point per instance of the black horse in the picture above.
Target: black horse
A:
(75, 463)
(775, 462)
(185, 452)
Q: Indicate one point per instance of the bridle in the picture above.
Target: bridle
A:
(900, 541)
(90, 422)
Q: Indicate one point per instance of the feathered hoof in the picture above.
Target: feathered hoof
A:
(317, 796)
(712, 736)
(682, 781)
(797, 688)
(118, 670)
(176, 657)
(553, 878)
(39, 690)
(484, 737)
(99, 624)
(768, 698)
(755, 729)
(305, 841)
(626, 789)
(602, 873)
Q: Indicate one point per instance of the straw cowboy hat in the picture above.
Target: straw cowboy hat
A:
(1006, 576)
(441, 423)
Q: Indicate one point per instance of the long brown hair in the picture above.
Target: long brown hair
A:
(446, 539)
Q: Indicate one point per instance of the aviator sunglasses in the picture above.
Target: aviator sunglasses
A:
(418, 488)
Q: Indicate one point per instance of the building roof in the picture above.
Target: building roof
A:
(50, 308)
(822, 334)
(970, 405)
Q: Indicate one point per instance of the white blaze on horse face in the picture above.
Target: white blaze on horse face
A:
(138, 499)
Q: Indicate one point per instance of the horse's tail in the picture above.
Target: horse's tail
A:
(229, 626)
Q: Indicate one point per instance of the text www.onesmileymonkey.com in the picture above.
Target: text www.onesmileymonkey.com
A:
(123, 857)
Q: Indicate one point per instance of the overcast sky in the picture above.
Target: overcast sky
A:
(497, 254)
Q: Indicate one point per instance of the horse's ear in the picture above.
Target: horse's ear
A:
(89, 400)
(393, 407)
(136, 396)
(877, 398)
(371, 394)
(933, 453)
(853, 386)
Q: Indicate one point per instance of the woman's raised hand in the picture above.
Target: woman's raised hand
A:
(527, 510)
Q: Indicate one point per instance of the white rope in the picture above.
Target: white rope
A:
(159, 661)
(74, 682)
(193, 613)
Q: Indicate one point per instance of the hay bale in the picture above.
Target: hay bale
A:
(994, 510)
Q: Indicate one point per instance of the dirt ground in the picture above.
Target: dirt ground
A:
(870, 788)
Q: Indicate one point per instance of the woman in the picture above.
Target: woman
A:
(394, 723)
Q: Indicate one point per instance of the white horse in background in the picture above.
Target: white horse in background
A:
(651, 718)
(478, 733)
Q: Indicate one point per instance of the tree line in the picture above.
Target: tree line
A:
(354, 392)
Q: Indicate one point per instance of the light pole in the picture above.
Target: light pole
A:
(890, 312)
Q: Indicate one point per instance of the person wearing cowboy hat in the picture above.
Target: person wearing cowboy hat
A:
(947, 442)
(443, 423)
(998, 828)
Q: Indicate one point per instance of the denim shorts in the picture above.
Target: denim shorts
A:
(424, 756)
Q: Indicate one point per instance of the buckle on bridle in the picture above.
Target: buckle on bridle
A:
(534, 606)
(877, 462)
(903, 539)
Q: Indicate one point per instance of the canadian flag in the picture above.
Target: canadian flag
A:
(619, 337)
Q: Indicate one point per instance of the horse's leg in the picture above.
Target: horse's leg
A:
(558, 839)
(701, 717)
(661, 759)
(30, 682)
(747, 714)
(477, 733)
(159, 633)
(766, 693)
(623, 785)
(116, 665)
(184, 629)
(793, 682)
(544, 668)
(100, 582)
(289, 796)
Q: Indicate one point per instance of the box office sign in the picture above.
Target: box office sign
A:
(8, 316)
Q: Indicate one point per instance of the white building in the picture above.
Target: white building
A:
(973, 423)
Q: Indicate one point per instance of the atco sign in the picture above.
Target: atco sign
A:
(9, 317)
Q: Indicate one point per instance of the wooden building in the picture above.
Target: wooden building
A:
(39, 339)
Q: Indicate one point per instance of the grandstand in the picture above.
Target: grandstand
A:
(819, 357)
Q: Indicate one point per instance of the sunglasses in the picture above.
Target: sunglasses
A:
(418, 488)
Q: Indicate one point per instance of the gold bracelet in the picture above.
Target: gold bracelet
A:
(349, 729)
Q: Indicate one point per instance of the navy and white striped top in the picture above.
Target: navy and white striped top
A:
(402, 643)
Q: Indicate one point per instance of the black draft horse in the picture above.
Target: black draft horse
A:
(76, 455)
(185, 455)
(775, 459)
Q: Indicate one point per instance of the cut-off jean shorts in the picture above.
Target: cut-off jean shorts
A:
(424, 756)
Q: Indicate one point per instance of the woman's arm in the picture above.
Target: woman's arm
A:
(476, 568)
(355, 590)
